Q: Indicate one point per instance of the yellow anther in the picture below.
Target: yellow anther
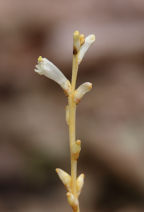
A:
(82, 39)
(40, 59)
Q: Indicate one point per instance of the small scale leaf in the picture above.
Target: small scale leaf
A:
(73, 202)
(76, 148)
(65, 178)
(80, 183)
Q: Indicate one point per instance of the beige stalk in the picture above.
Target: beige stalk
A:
(44, 67)
(72, 128)
(74, 96)
(72, 120)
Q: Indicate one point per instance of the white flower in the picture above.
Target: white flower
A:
(48, 69)
(83, 49)
(82, 90)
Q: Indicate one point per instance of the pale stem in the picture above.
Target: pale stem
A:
(72, 123)
(74, 71)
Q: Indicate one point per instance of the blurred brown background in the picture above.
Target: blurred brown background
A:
(110, 119)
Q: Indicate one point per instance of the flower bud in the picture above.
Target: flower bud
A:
(82, 39)
(80, 183)
(83, 49)
(65, 178)
(76, 42)
(82, 90)
(48, 69)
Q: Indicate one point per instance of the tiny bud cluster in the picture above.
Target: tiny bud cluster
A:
(81, 44)
(66, 180)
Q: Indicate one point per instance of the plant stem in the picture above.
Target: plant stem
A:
(72, 111)
(74, 71)
(72, 126)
